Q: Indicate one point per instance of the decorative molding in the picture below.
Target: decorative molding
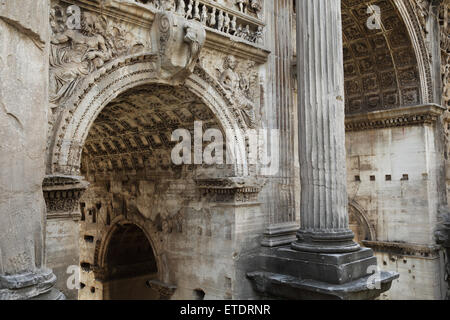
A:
(62, 195)
(230, 189)
(400, 117)
(414, 15)
(404, 249)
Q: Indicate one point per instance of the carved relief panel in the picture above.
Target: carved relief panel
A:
(240, 80)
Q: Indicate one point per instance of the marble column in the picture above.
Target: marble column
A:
(320, 72)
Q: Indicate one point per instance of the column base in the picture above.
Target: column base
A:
(288, 287)
(32, 286)
(280, 234)
(293, 274)
(340, 241)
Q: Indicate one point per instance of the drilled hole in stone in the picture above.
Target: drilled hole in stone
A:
(199, 294)
(85, 266)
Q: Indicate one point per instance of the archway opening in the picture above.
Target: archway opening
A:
(129, 263)
(127, 159)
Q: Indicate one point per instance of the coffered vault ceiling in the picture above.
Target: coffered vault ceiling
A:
(380, 65)
(134, 130)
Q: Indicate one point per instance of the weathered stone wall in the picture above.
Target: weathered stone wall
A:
(62, 248)
(393, 173)
(197, 242)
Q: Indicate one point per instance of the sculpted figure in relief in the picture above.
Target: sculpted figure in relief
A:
(197, 11)
(238, 88)
(191, 38)
(233, 25)
(212, 19)
(189, 10)
(76, 53)
(242, 4)
(226, 26)
(181, 7)
(204, 15)
(256, 6)
(220, 21)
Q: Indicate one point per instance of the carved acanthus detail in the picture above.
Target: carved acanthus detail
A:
(62, 195)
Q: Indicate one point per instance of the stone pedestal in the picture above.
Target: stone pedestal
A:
(324, 262)
(292, 274)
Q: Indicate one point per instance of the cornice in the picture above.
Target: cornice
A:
(399, 117)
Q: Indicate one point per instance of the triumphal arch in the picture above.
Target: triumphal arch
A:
(224, 149)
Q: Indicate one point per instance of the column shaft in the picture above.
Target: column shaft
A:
(324, 217)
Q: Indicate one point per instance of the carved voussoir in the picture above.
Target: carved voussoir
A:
(178, 42)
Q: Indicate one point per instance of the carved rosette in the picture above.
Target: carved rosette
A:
(62, 195)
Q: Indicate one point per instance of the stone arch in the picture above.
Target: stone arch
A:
(360, 223)
(148, 262)
(81, 109)
(386, 67)
(101, 251)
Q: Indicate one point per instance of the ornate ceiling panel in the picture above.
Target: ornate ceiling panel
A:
(380, 65)
(134, 130)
